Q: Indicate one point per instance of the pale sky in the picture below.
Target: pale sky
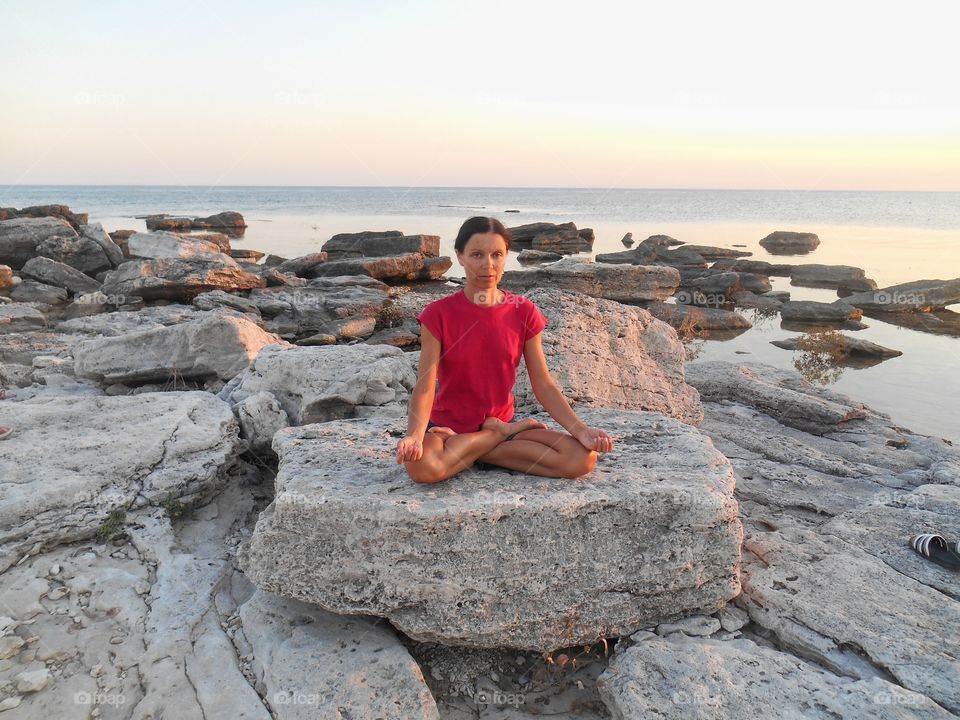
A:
(819, 95)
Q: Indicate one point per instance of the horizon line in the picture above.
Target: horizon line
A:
(4, 189)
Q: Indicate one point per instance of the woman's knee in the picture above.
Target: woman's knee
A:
(583, 462)
(425, 470)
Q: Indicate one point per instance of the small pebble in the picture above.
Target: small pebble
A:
(10, 646)
(10, 703)
(33, 680)
(117, 639)
(96, 670)
(54, 570)
(58, 593)
(494, 676)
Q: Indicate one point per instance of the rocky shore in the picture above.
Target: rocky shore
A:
(201, 517)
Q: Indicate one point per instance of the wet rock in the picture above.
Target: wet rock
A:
(846, 277)
(699, 319)
(917, 295)
(844, 345)
(783, 242)
(759, 267)
(810, 311)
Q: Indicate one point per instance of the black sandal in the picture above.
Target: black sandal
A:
(936, 548)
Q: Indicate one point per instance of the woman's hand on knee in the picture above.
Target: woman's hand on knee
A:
(409, 449)
(595, 439)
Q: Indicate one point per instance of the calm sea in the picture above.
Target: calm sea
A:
(895, 236)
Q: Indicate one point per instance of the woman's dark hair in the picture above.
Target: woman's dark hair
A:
(481, 225)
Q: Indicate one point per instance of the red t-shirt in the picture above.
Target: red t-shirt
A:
(480, 350)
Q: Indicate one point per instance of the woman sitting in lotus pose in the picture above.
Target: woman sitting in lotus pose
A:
(473, 339)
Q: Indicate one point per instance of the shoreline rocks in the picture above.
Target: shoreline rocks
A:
(625, 283)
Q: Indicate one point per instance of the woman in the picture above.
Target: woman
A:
(473, 339)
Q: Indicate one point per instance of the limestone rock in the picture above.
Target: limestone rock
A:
(51, 272)
(178, 279)
(848, 277)
(216, 345)
(317, 384)
(779, 393)
(18, 317)
(651, 535)
(60, 483)
(310, 663)
(19, 237)
(679, 678)
(604, 354)
(625, 283)
(153, 245)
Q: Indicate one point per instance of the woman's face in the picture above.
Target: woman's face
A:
(483, 259)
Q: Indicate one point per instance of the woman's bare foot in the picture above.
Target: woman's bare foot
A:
(506, 429)
(442, 430)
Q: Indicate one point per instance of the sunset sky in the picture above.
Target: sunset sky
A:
(599, 94)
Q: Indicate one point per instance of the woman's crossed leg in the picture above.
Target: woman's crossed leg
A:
(533, 449)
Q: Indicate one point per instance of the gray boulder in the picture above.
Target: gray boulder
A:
(19, 238)
(811, 311)
(18, 317)
(307, 661)
(698, 319)
(51, 272)
(216, 345)
(678, 678)
(604, 354)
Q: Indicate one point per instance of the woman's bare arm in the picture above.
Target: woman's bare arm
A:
(421, 399)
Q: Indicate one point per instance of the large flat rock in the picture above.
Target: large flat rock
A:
(501, 559)
(73, 460)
